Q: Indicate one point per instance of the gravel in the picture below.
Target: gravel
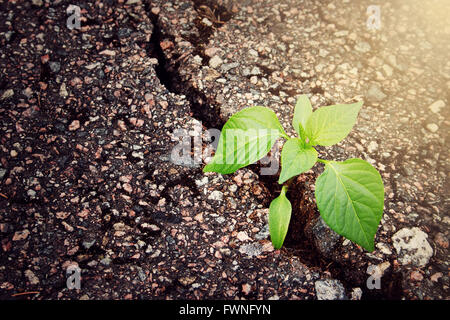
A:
(375, 94)
(437, 106)
(412, 247)
(329, 290)
(215, 62)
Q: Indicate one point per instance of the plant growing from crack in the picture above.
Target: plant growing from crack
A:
(349, 194)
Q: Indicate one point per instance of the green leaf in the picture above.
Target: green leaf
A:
(329, 125)
(245, 138)
(279, 216)
(350, 198)
(296, 158)
(302, 111)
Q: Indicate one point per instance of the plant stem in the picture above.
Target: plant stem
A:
(289, 182)
(322, 160)
(284, 189)
(286, 185)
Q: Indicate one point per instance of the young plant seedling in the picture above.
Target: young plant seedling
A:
(349, 194)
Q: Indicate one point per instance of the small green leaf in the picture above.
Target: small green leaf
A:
(302, 111)
(245, 138)
(329, 125)
(279, 216)
(350, 198)
(296, 158)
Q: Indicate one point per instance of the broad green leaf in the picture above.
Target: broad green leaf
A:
(329, 125)
(350, 197)
(279, 216)
(296, 158)
(302, 111)
(245, 138)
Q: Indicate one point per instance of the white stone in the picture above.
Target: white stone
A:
(319, 67)
(216, 195)
(63, 91)
(323, 53)
(362, 47)
(133, 2)
(432, 127)
(375, 94)
(388, 71)
(412, 247)
(31, 277)
(253, 52)
(201, 182)
(437, 106)
(215, 62)
(356, 294)
(92, 65)
(206, 22)
(251, 249)
(7, 94)
(38, 3)
(31, 193)
(380, 268)
(138, 155)
(108, 52)
(384, 248)
(373, 146)
(329, 290)
(242, 236)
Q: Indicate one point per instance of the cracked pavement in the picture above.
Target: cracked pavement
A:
(86, 126)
